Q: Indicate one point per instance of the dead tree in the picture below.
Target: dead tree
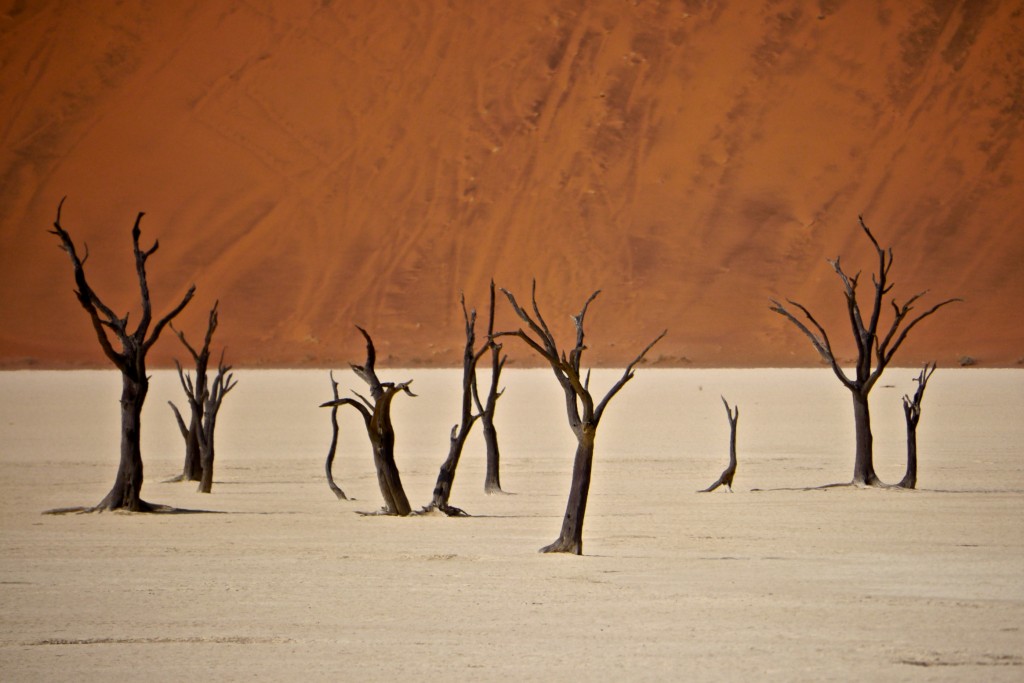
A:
(222, 384)
(130, 360)
(583, 414)
(729, 472)
(193, 468)
(492, 479)
(207, 403)
(329, 465)
(485, 413)
(912, 411)
(460, 431)
(377, 416)
(875, 346)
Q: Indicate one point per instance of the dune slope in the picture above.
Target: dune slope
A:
(314, 165)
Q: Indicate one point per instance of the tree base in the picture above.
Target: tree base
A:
(497, 491)
(720, 482)
(180, 478)
(446, 510)
(383, 512)
(564, 546)
(876, 483)
(143, 507)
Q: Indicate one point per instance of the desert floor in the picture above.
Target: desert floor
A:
(288, 583)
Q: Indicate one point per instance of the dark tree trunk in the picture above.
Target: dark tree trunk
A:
(127, 490)
(863, 464)
(446, 475)
(193, 469)
(130, 360)
(909, 480)
(570, 540)
(725, 479)
(206, 453)
(206, 482)
(492, 480)
(382, 436)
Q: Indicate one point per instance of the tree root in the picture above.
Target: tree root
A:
(563, 546)
(149, 508)
(446, 510)
(876, 484)
(720, 482)
(498, 491)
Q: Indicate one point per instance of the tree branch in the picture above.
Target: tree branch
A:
(99, 313)
(626, 376)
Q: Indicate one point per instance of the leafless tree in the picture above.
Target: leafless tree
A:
(730, 471)
(875, 345)
(485, 412)
(582, 411)
(460, 431)
(207, 403)
(377, 416)
(193, 468)
(130, 360)
(912, 411)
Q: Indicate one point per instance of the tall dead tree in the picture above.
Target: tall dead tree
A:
(485, 412)
(377, 416)
(130, 360)
(460, 431)
(329, 465)
(730, 471)
(492, 479)
(875, 346)
(207, 403)
(193, 468)
(583, 414)
(912, 411)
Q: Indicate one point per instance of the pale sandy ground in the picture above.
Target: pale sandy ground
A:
(291, 584)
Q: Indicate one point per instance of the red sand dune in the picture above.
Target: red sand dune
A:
(319, 164)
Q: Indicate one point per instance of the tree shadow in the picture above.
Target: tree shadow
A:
(150, 509)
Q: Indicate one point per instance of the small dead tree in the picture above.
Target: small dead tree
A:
(130, 360)
(329, 465)
(875, 346)
(729, 472)
(193, 468)
(222, 384)
(912, 411)
(207, 403)
(377, 416)
(583, 414)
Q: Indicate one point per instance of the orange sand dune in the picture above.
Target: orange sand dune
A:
(314, 165)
